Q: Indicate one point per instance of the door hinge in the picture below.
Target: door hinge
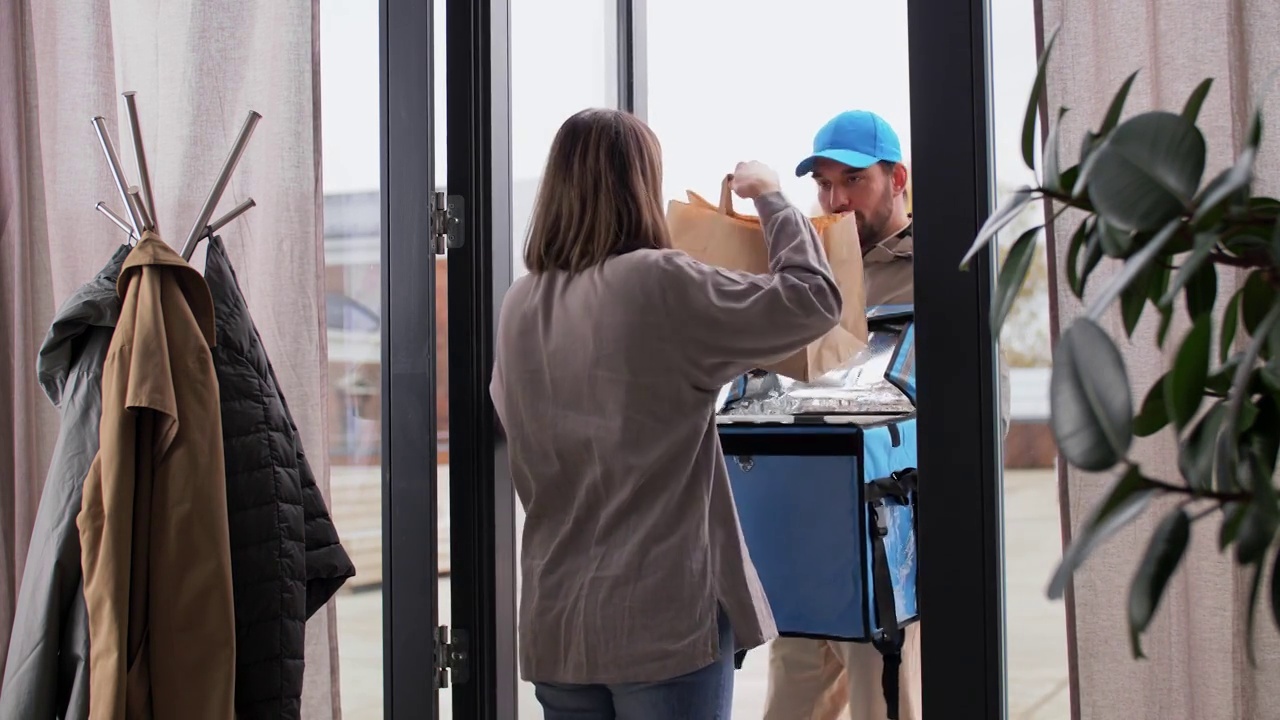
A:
(446, 222)
(452, 658)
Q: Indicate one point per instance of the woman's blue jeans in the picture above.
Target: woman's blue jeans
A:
(705, 694)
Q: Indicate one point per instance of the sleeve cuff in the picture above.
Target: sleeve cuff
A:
(770, 204)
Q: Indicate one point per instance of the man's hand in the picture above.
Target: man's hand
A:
(753, 179)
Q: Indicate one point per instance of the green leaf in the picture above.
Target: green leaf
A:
(1251, 613)
(1092, 256)
(1166, 320)
(1246, 243)
(1220, 380)
(1230, 323)
(1128, 497)
(1256, 533)
(1087, 145)
(1068, 179)
(1132, 301)
(1196, 453)
(1202, 291)
(1091, 408)
(1159, 285)
(1204, 245)
(1227, 185)
(994, 224)
(1184, 388)
(1270, 374)
(1154, 415)
(1181, 243)
(1254, 138)
(1275, 243)
(1132, 267)
(1191, 111)
(1052, 176)
(1033, 105)
(1248, 414)
(1226, 462)
(1012, 276)
(1164, 553)
(1115, 242)
(1146, 173)
(1073, 255)
(1264, 436)
(1109, 122)
(1263, 205)
(1117, 106)
(1275, 587)
(1256, 299)
(1263, 516)
(1232, 519)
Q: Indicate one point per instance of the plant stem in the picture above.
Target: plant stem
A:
(1198, 494)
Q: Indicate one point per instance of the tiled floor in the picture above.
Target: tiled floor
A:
(1037, 657)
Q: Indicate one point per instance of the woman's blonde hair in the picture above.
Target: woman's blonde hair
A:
(600, 195)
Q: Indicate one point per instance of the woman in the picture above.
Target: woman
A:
(637, 587)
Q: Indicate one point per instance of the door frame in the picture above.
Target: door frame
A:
(960, 514)
(409, 520)
(481, 496)
(960, 523)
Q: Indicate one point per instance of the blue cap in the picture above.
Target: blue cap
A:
(857, 138)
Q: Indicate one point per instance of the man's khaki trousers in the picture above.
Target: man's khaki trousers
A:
(818, 679)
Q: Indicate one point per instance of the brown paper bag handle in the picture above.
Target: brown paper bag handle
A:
(726, 196)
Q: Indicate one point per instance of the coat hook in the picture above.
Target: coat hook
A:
(140, 156)
(220, 185)
(119, 221)
(117, 174)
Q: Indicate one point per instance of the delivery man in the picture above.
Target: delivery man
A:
(857, 166)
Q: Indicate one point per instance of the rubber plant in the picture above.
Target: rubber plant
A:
(1139, 199)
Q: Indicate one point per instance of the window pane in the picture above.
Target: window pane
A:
(755, 80)
(1036, 629)
(352, 171)
(561, 62)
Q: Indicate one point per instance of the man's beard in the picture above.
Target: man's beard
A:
(871, 229)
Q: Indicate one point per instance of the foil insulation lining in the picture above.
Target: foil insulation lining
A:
(858, 387)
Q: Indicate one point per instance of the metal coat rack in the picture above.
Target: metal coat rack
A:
(139, 201)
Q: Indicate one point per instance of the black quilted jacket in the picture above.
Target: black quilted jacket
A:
(286, 560)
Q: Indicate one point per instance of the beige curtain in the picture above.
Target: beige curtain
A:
(198, 67)
(1197, 667)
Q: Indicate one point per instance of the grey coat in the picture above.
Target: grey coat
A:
(47, 671)
(286, 560)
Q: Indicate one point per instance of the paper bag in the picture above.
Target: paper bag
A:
(719, 236)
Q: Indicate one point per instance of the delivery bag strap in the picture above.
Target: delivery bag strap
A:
(900, 488)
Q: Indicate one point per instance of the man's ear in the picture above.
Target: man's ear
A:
(900, 179)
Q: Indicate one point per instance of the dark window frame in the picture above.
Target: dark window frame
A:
(961, 587)
(482, 499)
(409, 584)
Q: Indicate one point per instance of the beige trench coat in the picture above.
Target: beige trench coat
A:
(153, 523)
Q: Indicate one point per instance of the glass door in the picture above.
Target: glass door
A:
(514, 73)
(935, 89)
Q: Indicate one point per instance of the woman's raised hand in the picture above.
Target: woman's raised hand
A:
(753, 179)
